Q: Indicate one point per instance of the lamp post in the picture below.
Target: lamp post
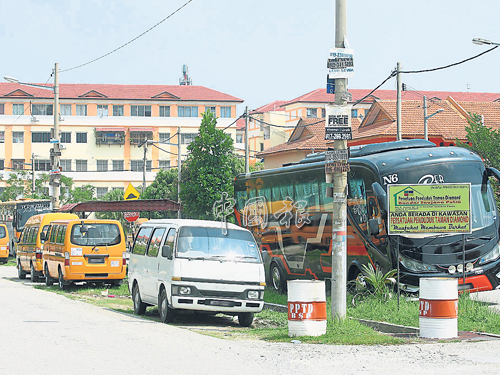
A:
(428, 117)
(480, 42)
(55, 174)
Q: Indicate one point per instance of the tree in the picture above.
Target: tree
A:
(208, 169)
(113, 195)
(163, 187)
(80, 194)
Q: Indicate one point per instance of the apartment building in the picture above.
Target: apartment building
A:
(102, 126)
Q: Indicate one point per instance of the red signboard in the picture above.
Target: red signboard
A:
(131, 216)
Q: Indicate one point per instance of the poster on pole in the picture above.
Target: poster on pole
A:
(338, 122)
(429, 209)
(340, 63)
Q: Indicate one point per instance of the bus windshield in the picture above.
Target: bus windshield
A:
(95, 234)
(213, 244)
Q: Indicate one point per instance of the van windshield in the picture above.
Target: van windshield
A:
(211, 243)
(90, 234)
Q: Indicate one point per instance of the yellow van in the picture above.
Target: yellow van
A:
(30, 243)
(84, 250)
(4, 243)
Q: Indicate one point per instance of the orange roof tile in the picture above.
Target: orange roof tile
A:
(273, 106)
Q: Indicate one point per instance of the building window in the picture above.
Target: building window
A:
(164, 111)
(18, 164)
(210, 109)
(323, 112)
(117, 110)
(164, 137)
(137, 165)
(101, 191)
(2, 109)
(81, 109)
(312, 112)
(42, 165)
(40, 137)
(187, 111)
(187, 138)
(65, 165)
(81, 165)
(140, 110)
(137, 138)
(41, 110)
(17, 137)
(118, 188)
(118, 165)
(354, 113)
(65, 109)
(2, 137)
(102, 165)
(18, 109)
(225, 112)
(102, 110)
(66, 137)
(2, 164)
(81, 137)
(164, 164)
(239, 138)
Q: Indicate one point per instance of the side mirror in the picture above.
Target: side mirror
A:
(15, 239)
(43, 237)
(166, 251)
(493, 172)
(373, 228)
(381, 195)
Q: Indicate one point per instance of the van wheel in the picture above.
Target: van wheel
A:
(277, 279)
(20, 272)
(139, 306)
(245, 319)
(166, 312)
(62, 284)
(48, 280)
(33, 278)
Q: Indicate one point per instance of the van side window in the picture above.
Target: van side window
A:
(61, 234)
(3, 233)
(141, 241)
(45, 230)
(53, 233)
(22, 238)
(32, 235)
(154, 244)
(170, 239)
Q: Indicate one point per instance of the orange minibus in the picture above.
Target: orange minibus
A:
(4, 243)
(84, 250)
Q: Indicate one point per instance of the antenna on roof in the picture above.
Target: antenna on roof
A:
(185, 80)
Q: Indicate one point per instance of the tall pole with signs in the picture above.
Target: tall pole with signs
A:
(338, 128)
(55, 173)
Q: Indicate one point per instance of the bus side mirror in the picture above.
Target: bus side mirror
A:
(15, 239)
(381, 195)
(43, 237)
(166, 251)
(373, 228)
(493, 172)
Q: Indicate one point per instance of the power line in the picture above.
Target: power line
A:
(130, 41)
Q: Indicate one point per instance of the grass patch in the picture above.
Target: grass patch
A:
(10, 263)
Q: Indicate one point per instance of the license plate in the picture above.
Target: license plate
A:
(115, 263)
(218, 302)
(96, 260)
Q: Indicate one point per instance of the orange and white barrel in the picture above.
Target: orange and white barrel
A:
(438, 308)
(306, 308)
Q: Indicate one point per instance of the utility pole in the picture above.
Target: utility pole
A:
(55, 176)
(144, 166)
(398, 103)
(426, 137)
(247, 151)
(339, 216)
(33, 173)
(179, 166)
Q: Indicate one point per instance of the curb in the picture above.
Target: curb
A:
(275, 307)
(387, 327)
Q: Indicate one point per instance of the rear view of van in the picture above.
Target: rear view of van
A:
(84, 250)
(4, 243)
(31, 241)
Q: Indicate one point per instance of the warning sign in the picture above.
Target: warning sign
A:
(131, 193)
(429, 209)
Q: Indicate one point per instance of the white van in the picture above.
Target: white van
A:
(196, 265)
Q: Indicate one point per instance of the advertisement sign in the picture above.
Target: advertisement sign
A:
(338, 122)
(340, 63)
(429, 209)
(337, 167)
(337, 155)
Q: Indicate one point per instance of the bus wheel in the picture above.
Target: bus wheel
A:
(277, 278)
(33, 278)
(245, 319)
(48, 280)
(166, 313)
(62, 284)
(139, 306)
(20, 272)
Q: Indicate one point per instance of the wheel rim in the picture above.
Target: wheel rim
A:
(136, 297)
(276, 278)
(61, 284)
(163, 307)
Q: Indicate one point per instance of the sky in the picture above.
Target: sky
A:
(256, 50)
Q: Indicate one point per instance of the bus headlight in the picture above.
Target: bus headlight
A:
(492, 255)
(253, 294)
(184, 290)
(415, 265)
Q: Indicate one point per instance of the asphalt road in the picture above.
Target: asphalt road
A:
(46, 333)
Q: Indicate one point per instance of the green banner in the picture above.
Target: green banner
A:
(429, 209)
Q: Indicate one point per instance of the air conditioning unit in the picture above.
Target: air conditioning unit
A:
(62, 146)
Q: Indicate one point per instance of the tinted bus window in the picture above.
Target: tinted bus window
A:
(154, 245)
(60, 234)
(3, 233)
(141, 241)
(170, 239)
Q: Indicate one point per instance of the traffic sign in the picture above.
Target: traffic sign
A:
(337, 167)
(131, 193)
(131, 216)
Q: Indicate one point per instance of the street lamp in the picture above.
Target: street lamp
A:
(480, 42)
(55, 174)
(428, 117)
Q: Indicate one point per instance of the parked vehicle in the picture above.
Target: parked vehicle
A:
(84, 250)
(290, 215)
(4, 243)
(180, 264)
(30, 244)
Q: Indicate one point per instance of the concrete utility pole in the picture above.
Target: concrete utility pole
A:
(398, 103)
(339, 216)
(426, 118)
(33, 173)
(144, 166)
(179, 166)
(247, 151)
(55, 176)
